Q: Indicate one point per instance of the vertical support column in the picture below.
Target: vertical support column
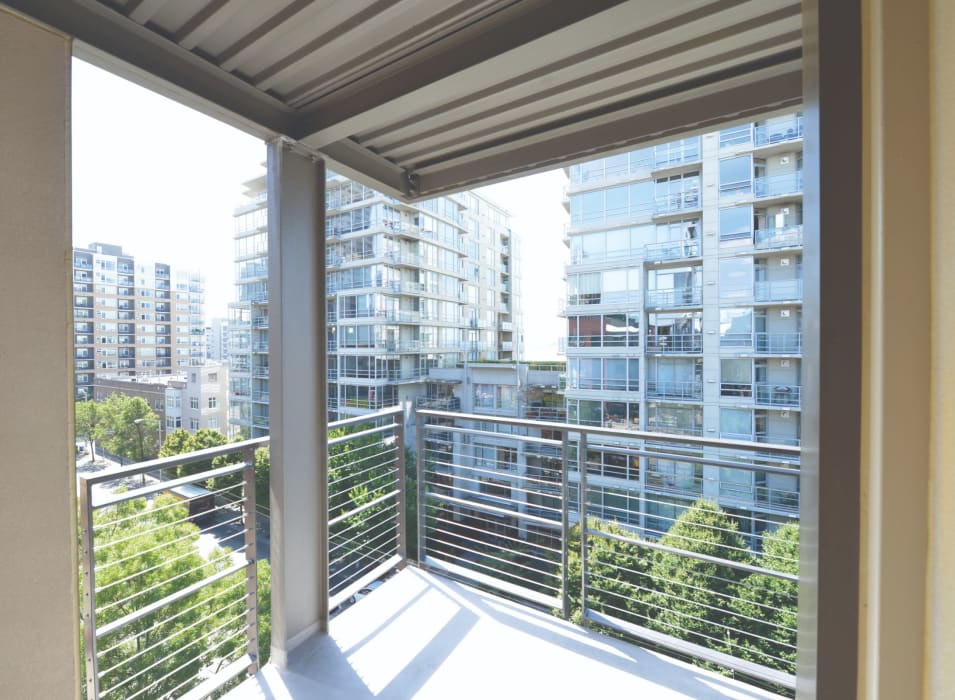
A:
(564, 527)
(298, 406)
(402, 515)
(832, 354)
(251, 560)
(422, 508)
(39, 653)
(582, 518)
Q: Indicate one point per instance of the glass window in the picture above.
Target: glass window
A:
(641, 198)
(616, 202)
(736, 223)
(736, 175)
(736, 327)
(736, 423)
(736, 278)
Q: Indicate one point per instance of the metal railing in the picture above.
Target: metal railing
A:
(556, 529)
(366, 501)
(675, 343)
(160, 618)
(770, 238)
(784, 395)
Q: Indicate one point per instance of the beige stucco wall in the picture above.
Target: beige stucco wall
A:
(38, 595)
(940, 612)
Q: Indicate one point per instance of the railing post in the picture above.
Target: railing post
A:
(565, 528)
(89, 593)
(251, 567)
(420, 485)
(582, 518)
(402, 519)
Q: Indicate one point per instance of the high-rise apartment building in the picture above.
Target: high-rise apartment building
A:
(132, 317)
(410, 288)
(217, 339)
(684, 312)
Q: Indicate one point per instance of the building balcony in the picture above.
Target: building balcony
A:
(675, 390)
(674, 298)
(789, 343)
(777, 290)
(419, 633)
(672, 250)
(773, 238)
(677, 203)
(777, 395)
(778, 132)
(678, 343)
(777, 185)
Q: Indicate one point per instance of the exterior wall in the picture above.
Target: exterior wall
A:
(39, 648)
(684, 302)
(205, 398)
(133, 318)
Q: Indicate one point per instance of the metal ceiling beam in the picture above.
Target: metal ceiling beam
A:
(574, 142)
(116, 42)
(338, 117)
(354, 161)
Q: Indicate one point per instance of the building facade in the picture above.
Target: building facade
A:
(133, 318)
(684, 312)
(410, 288)
(217, 340)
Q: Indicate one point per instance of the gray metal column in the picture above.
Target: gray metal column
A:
(298, 408)
(832, 356)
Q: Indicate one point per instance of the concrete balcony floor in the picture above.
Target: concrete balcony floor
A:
(423, 636)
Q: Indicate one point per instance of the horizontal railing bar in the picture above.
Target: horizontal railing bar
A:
(748, 568)
(491, 582)
(476, 505)
(695, 650)
(609, 432)
(433, 427)
(174, 461)
(121, 622)
(335, 600)
(114, 498)
(357, 420)
(210, 685)
(363, 508)
(361, 433)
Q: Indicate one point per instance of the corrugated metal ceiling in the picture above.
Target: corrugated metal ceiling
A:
(419, 97)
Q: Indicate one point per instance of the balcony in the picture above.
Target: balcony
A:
(677, 343)
(675, 390)
(674, 298)
(773, 238)
(777, 290)
(676, 203)
(779, 132)
(778, 395)
(777, 185)
(505, 526)
(672, 250)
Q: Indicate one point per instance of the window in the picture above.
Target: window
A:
(736, 176)
(194, 402)
(193, 424)
(213, 376)
(212, 402)
(213, 423)
(736, 223)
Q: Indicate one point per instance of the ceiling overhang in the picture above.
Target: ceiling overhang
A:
(422, 97)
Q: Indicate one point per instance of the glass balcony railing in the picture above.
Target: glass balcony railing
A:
(778, 290)
(668, 298)
(691, 390)
(778, 132)
(685, 343)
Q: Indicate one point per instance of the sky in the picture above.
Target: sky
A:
(162, 180)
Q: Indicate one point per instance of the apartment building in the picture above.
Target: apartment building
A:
(410, 287)
(133, 317)
(684, 313)
(217, 340)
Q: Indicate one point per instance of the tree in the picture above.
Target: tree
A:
(175, 443)
(89, 415)
(692, 597)
(124, 436)
(766, 606)
(143, 554)
(263, 466)
(617, 572)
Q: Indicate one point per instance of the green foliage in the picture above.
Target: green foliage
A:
(181, 442)
(88, 417)
(765, 609)
(144, 554)
(692, 596)
(617, 573)
(263, 466)
(123, 435)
